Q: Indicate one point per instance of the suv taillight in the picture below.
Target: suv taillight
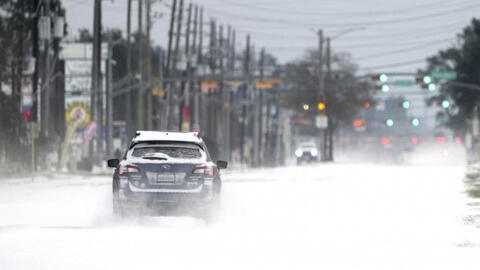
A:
(205, 170)
(128, 169)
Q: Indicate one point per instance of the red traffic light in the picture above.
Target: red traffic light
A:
(358, 123)
(26, 115)
(385, 141)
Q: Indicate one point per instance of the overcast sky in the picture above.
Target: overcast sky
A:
(385, 35)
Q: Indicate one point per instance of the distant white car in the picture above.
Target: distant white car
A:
(306, 152)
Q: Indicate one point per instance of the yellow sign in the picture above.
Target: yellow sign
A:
(77, 112)
(209, 84)
(158, 93)
(263, 85)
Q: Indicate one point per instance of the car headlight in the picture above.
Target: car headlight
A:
(314, 152)
(299, 153)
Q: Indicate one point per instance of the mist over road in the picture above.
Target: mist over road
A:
(335, 216)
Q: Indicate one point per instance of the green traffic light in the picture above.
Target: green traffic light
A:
(427, 80)
(415, 122)
(406, 104)
(385, 88)
(432, 87)
(389, 123)
(445, 104)
(383, 78)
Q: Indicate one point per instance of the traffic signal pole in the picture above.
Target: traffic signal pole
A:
(321, 87)
(128, 96)
(329, 129)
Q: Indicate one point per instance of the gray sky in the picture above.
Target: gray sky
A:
(386, 33)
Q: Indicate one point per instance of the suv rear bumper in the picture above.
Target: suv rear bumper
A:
(158, 198)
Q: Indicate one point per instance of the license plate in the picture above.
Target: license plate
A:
(163, 178)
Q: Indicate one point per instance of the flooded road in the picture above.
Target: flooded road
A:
(336, 216)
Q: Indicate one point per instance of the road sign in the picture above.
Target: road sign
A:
(321, 121)
(263, 85)
(158, 93)
(209, 84)
(78, 112)
(447, 75)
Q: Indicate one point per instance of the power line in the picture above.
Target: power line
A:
(354, 14)
(419, 46)
(365, 23)
(396, 64)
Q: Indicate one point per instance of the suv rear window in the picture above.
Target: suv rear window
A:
(173, 151)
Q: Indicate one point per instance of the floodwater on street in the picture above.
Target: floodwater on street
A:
(339, 216)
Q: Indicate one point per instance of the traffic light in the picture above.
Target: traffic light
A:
(27, 116)
(426, 82)
(384, 87)
(368, 105)
(389, 122)
(382, 77)
(405, 104)
(381, 81)
(445, 104)
(358, 123)
(321, 106)
(415, 122)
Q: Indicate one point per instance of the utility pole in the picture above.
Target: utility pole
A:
(176, 59)
(208, 97)
(128, 95)
(96, 57)
(244, 99)
(148, 62)
(227, 97)
(45, 90)
(329, 130)
(321, 90)
(109, 98)
(195, 89)
(199, 97)
(224, 95)
(233, 52)
(185, 104)
(99, 91)
(256, 99)
(231, 120)
(141, 57)
(160, 119)
(168, 67)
